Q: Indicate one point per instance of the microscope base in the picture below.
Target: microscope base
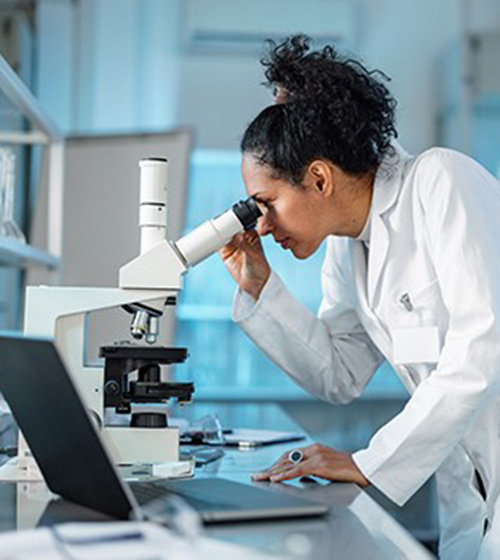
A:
(126, 446)
(142, 445)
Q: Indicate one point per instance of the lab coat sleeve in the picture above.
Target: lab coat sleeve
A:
(461, 205)
(330, 356)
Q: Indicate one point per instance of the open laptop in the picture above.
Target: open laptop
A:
(77, 466)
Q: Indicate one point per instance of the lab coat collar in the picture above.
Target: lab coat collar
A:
(386, 187)
(387, 181)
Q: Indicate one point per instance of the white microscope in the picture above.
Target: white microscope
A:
(130, 380)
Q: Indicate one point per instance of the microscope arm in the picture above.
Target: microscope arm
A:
(160, 268)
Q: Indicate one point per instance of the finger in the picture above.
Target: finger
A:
(227, 251)
(274, 470)
(283, 462)
(267, 475)
(252, 238)
(233, 247)
(235, 242)
(253, 242)
(280, 463)
(239, 243)
(280, 467)
(261, 476)
(264, 475)
(292, 472)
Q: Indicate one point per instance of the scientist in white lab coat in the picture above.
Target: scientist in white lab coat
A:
(411, 275)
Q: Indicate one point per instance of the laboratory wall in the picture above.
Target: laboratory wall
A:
(127, 64)
(108, 65)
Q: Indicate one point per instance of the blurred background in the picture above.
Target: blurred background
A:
(109, 70)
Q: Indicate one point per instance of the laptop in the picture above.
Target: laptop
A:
(76, 465)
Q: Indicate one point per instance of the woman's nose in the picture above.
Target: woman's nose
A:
(263, 226)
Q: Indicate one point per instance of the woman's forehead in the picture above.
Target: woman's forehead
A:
(256, 175)
(251, 165)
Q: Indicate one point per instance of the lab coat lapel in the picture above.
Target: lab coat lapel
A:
(379, 244)
(367, 317)
(359, 271)
(386, 187)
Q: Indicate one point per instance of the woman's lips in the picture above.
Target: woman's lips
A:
(285, 242)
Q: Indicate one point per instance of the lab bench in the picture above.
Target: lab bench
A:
(356, 527)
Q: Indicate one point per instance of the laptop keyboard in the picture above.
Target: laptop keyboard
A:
(146, 492)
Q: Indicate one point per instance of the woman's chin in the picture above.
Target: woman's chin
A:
(300, 252)
(303, 251)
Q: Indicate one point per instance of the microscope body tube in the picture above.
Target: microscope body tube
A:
(153, 202)
(209, 237)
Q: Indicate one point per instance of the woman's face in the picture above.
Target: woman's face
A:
(293, 215)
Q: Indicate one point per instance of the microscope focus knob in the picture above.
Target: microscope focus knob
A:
(112, 388)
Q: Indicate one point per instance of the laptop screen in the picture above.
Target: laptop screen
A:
(57, 426)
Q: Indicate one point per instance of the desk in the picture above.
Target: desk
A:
(356, 528)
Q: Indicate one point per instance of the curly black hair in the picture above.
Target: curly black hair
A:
(334, 108)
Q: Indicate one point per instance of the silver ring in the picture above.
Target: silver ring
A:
(295, 456)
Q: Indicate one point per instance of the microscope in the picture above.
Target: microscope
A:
(130, 383)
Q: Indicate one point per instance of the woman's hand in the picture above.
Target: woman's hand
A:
(246, 262)
(318, 460)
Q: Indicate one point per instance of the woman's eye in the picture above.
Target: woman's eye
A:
(264, 205)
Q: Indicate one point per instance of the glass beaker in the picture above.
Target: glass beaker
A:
(8, 225)
(3, 172)
(210, 428)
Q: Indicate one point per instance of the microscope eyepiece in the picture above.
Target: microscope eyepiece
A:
(211, 235)
(247, 212)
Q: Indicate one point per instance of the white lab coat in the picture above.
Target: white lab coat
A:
(435, 237)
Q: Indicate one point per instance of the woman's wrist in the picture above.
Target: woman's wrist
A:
(255, 288)
(255, 291)
(361, 480)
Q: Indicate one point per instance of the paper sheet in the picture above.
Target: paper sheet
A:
(243, 437)
(117, 541)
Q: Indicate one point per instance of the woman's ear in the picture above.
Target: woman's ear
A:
(320, 177)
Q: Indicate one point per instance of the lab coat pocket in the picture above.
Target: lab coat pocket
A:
(415, 332)
(417, 306)
(421, 297)
(415, 345)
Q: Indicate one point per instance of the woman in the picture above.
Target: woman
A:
(411, 275)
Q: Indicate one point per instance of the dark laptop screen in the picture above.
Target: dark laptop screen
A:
(57, 426)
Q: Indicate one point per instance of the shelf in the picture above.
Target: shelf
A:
(17, 92)
(15, 253)
(43, 132)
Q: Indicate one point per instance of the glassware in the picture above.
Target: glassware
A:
(8, 226)
(207, 430)
(3, 173)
